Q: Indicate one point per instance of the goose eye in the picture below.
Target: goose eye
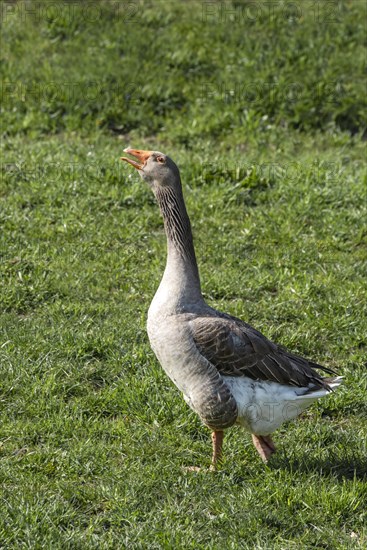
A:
(160, 159)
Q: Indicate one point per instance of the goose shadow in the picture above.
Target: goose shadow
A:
(350, 466)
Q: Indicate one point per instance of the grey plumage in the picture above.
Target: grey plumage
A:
(237, 349)
(220, 363)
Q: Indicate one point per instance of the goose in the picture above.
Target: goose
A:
(228, 372)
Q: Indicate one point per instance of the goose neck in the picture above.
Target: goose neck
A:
(181, 273)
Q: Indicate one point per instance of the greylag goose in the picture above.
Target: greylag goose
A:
(227, 371)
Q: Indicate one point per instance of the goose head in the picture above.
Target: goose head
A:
(156, 168)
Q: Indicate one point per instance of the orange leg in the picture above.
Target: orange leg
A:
(264, 446)
(217, 439)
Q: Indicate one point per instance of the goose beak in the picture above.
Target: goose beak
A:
(142, 156)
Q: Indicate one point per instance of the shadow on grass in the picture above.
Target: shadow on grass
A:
(348, 467)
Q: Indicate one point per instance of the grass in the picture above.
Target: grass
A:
(265, 114)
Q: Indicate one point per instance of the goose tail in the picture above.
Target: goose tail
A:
(331, 384)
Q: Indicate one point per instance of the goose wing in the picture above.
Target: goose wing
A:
(237, 349)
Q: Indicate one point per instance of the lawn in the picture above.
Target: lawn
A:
(263, 107)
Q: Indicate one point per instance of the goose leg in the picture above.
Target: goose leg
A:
(264, 446)
(217, 439)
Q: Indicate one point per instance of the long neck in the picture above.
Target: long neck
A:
(181, 275)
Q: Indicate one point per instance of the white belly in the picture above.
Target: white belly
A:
(264, 406)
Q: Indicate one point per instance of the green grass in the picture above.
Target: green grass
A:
(265, 113)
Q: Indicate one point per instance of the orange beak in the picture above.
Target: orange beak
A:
(142, 156)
